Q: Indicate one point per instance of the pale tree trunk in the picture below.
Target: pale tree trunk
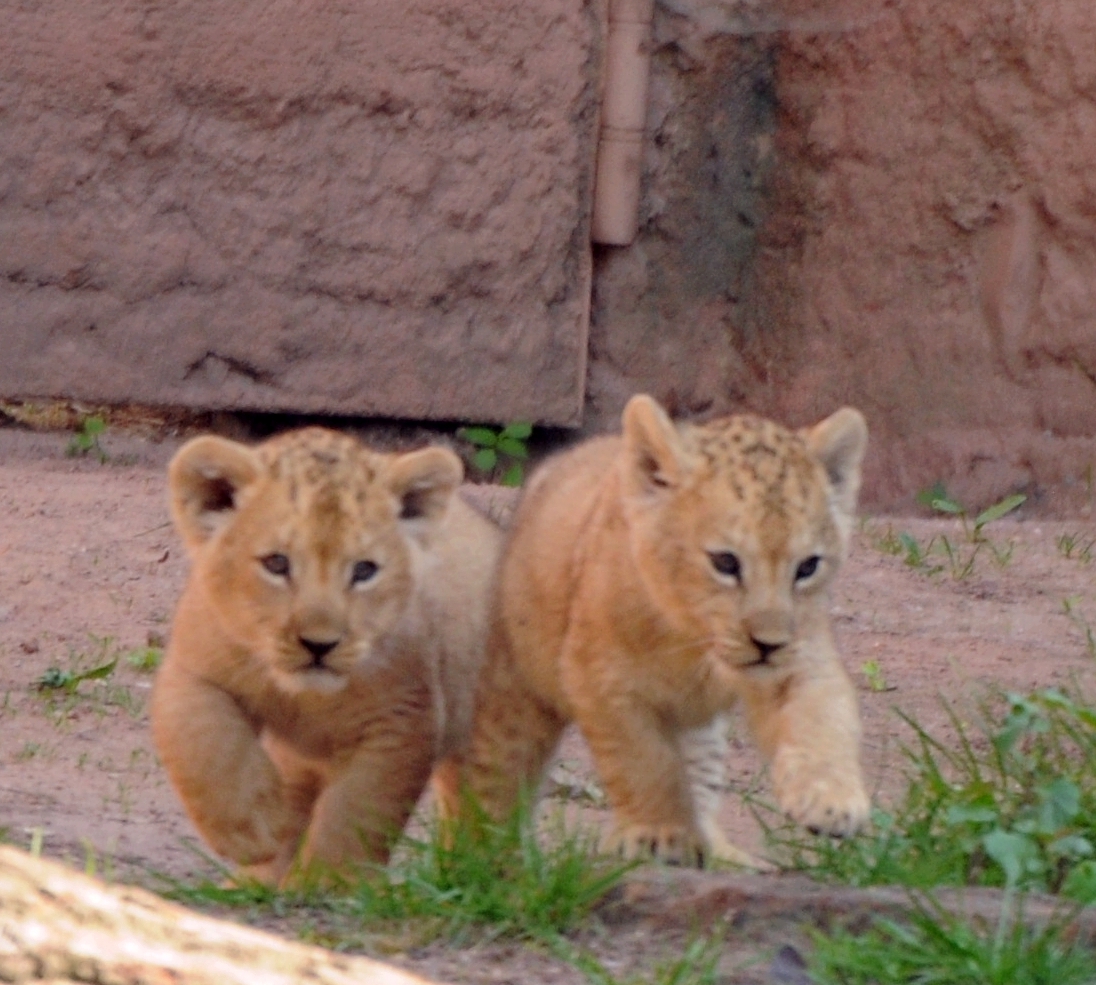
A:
(59, 926)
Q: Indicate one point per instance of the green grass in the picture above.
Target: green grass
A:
(1012, 801)
(503, 876)
(939, 948)
(497, 879)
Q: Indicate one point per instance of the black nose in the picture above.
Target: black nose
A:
(319, 649)
(765, 649)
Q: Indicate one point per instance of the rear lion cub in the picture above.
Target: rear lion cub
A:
(651, 582)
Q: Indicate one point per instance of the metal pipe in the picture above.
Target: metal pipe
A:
(623, 120)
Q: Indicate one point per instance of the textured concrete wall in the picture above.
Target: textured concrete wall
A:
(376, 207)
(925, 238)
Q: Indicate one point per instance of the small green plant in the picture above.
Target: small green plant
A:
(1011, 802)
(961, 556)
(504, 450)
(941, 948)
(69, 681)
(917, 556)
(145, 659)
(1070, 606)
(1074, 547)
(62, 687)
(874, 676)
(86, 439)
(29, 751)
(886, 541)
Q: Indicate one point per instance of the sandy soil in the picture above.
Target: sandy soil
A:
(90, 569)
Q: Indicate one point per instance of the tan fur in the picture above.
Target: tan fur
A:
(323, 653)
(611, 613)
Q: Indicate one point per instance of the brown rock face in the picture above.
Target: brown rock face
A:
(362, 208)
(925, 234)
(941, 190)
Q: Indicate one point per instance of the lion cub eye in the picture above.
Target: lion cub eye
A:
(276, 564)
(807, 569)
(363, 571)
(726, 563)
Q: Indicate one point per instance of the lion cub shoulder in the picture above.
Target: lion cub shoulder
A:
(651, 582)
(324, 650)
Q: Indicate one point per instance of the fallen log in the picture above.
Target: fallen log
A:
(61, 926)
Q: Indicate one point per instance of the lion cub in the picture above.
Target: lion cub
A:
(324, 651)
(651, 582)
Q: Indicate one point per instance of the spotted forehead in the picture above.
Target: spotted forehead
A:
(759, 460)
(322, 464)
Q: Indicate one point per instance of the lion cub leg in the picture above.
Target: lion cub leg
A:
(645, 778)
(231, 790)
(704, 751)
(367, 801)
(808, 725)
(514, 735)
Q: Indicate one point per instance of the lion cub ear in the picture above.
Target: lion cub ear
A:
(653, 457)
(205, 479)
(423, 482)
(839, 443)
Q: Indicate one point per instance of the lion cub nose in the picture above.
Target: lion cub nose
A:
(765, 649)
(318, 648)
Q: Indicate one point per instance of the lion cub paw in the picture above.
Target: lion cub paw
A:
(674, 844)
(722, 851)
(825, 801)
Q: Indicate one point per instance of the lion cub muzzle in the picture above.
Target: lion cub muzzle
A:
(769, 630)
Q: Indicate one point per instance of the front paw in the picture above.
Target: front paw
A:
(674, 844)
(825, 800)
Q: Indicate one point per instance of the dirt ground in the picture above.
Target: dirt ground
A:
(90, 570)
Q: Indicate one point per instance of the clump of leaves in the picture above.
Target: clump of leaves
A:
(86, 439)
(1011, 801)
(58, 679)
(500, 454)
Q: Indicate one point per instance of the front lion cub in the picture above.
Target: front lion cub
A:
(651, 582)
(323, 653)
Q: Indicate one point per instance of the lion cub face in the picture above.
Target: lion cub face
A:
(737, 527)
(308, 545)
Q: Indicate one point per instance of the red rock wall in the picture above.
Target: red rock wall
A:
(926, 238)
(378, 207)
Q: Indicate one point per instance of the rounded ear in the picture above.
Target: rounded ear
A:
(205, 479)
(839, 443)
(424, 481)
(653, 457)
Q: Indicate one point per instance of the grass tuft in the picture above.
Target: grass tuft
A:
(500, 879)
(941, 948)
